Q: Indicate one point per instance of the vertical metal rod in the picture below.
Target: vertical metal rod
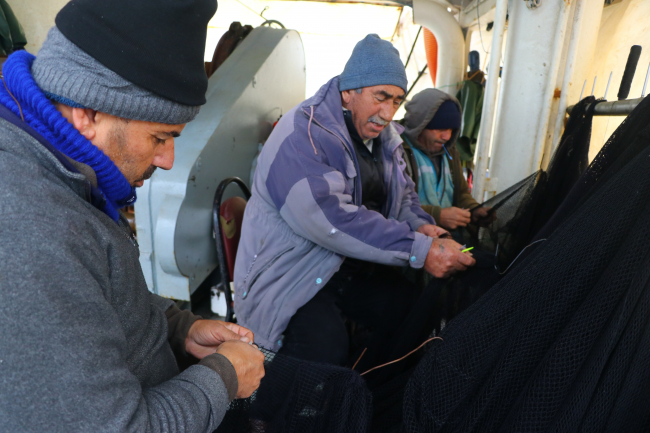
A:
(549, 93)
(582, 91)
(413, 47)
(607, 88)
(414, 83)
(646, 81)
(489, 101)
(594, 86)
(397, 25)
(571, 60)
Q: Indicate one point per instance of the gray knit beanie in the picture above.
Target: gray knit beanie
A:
(67, 74)
(374, 62)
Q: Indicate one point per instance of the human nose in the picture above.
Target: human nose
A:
(387, 111)
(165, 156)
(446, 134)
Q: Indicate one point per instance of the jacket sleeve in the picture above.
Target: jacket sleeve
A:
(63, 363)
(432, 210)
(316, 202)
(464, 197)
(179, 323)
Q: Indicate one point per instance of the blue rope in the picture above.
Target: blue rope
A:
(44, 118)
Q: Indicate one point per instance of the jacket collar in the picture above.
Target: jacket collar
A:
(80, 177)
(327, 110)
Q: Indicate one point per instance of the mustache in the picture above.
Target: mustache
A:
(378, 120)
(147, 174)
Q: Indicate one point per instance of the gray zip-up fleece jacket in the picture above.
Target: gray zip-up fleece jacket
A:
(84, 346)
(305, 215)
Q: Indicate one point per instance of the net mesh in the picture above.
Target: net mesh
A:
(524, 208)
(521, 211)
(300, 396)
(561, 342)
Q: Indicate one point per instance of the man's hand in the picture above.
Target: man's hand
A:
(432, 231)
(483, 217)
(445, 258)
(205, 336)
(248, 362)
(453, 217)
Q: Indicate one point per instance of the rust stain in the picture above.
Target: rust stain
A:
(557, 93)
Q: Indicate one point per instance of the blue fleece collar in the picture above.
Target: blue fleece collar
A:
(37, 111)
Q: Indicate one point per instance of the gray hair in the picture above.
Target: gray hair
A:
(359, 90)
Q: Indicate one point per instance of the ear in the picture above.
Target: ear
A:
(83, 120)
(346, 96)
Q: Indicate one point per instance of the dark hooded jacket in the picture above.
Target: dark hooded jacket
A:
(419, 111)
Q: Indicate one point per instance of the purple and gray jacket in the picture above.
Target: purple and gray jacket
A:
(305, 215)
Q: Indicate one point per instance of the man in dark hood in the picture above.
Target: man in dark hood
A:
(432, 123)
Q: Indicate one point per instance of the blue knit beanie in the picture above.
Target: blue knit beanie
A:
(447, 117)
(374, 62)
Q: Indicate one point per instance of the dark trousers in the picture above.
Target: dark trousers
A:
(374, 297)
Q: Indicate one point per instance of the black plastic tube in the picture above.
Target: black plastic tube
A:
(628, 75)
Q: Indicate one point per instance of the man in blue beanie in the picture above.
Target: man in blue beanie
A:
(431, 128)
(85, 346)
(331, 215)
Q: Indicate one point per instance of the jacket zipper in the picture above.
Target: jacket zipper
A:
(352, 157)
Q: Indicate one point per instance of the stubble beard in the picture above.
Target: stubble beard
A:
(127, 165)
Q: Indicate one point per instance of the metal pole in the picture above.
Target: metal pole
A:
(414, 83)
(646, 81)
(613, 108)
(489, 102)
(607, 88)
(583, 90)
(594, 86)
(544, 118)
(569, 70)
(413, 47)
(628, 73)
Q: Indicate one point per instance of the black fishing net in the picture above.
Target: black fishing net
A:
(521, 211)
(524, 208)
(298, 396)
(562, 342)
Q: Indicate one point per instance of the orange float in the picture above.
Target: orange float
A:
(431, 49)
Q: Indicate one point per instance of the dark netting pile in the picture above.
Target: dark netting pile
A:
(524, 208)
(521, 211)
(299, 396)
(560, 342)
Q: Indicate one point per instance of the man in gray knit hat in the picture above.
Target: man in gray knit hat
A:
(331, 215)
(85, 346)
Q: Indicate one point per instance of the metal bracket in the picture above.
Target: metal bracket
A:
(533, 4)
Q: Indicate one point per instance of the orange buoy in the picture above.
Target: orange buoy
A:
(431, 49)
